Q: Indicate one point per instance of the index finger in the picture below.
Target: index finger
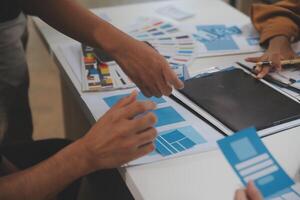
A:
(138, 107)
(126, 100)
(265, 70)
(171, 78)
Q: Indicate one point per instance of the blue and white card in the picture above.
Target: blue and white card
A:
(252, 161)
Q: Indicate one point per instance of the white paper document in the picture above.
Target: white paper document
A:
(174, 12)
(179, 131)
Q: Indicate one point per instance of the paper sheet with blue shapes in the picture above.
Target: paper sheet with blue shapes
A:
(224, 39)
(290, 193)
(179, 132)
(252, 161)
(177, 140)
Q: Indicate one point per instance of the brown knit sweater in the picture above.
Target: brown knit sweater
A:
(282, 18)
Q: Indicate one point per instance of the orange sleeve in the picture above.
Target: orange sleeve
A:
(282, 18)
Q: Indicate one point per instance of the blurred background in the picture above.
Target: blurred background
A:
(45, 89)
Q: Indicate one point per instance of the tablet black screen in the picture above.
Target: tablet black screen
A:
(239, 101)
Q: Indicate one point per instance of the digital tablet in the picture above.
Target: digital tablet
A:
(238, 100)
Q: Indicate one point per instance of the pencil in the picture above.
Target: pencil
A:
(283, 62)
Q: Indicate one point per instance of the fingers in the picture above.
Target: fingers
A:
(240, 195)
(257, 69)
(144, 150)
(253, 192)
(137, 108)
(145, 90)
(253, 59)
(146, 137)
(276, 61)
(164, 87)
(263, 72)
(171, 78)
(127, 100)
(155, 90)
(144, 122)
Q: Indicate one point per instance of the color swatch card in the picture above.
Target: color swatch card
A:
(100, 72)
(179, 131)
(222, 39)
(252, 161)
(177, 47)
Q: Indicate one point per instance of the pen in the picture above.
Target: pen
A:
(283, 62)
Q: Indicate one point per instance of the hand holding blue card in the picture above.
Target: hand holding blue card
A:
(252, 161)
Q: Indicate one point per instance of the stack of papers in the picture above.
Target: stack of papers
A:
(176, 46)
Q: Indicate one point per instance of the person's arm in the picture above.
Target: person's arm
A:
(278, 25)
(117, 138)
(279, 19)
(149, 70)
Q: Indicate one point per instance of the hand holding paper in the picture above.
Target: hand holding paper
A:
(250, 193)
(252, 161)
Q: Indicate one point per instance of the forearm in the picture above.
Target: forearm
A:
(279, 42)
(77, 22)
(48, 178)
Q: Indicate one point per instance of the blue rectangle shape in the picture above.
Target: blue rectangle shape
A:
(167, 145)
(178, 147)
(185, 52)
(280, 179)
(187, 143)
(243, 149)
(221, 42)
(188, 132)
(112, 100)
(166, 116)
(266, 180)
(164, 26)
(173, 136)
(161, 149)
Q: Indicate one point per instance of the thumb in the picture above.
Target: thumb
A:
(253, 192)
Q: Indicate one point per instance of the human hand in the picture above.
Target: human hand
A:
(120, 136)
(146, 68)
(279, 49)
(250, 193)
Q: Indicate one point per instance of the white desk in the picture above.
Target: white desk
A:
(204, 175)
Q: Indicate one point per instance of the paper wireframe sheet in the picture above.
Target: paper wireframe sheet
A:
(179, 131)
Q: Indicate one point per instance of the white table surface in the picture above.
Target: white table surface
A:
(205, 176)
